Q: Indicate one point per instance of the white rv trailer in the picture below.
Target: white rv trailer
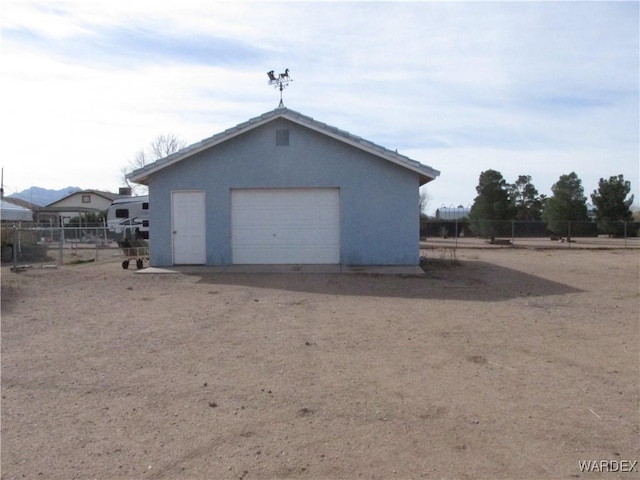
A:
(129, 217)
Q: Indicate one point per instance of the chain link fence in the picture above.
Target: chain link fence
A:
(37, 244)
(513, 232)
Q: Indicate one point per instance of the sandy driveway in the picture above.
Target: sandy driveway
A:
(509, 364)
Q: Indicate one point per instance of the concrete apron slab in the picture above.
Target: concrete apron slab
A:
(403, 270)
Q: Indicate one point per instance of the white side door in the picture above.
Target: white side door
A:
(188, 223)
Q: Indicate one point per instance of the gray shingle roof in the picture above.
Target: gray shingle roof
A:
(426, 173)
(101, 193)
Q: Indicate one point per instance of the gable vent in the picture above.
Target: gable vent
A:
(282, 138)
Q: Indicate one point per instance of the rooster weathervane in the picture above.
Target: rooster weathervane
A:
(280, 82)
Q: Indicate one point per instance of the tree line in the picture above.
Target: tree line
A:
(498, 200)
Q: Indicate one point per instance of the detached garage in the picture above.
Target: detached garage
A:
(284, 188)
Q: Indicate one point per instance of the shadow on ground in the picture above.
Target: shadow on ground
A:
(445, 280)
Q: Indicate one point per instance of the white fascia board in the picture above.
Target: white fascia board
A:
(425, 172)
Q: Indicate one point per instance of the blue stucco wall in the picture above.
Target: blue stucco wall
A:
(379, 208)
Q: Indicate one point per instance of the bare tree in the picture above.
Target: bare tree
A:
(165, 145)
(425, 199)
(162, 146)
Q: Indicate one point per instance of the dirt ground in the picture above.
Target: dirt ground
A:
(507, 363)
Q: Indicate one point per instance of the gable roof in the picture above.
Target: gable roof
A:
(106, 195)
(426, 173)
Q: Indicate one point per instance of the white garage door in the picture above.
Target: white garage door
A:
(271, 226)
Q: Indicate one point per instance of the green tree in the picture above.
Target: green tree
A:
(491, 205)
(525, 201)
(612, 206)
(567, 204)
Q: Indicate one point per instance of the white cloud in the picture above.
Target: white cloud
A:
(528, 88)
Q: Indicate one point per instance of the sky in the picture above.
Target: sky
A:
(525, 88)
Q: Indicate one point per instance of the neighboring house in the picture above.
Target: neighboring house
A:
(76, 205)
(283, 188)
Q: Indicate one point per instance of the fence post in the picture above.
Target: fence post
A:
(456, 242)
(513, 231)
(569, 233)
(14, 249)
(625, 234)
(61, 246)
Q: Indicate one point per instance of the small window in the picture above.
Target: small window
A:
(122, 213)
(145, 205)
(282, 138)
(86, 198)
(145, 223)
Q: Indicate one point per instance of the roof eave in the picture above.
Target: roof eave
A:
(424, 179)
(426, 174)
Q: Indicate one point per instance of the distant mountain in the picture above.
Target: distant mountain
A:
(42, 196)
